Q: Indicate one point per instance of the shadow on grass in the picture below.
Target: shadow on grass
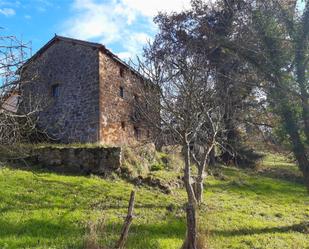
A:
(144, 236)
(37, 228)
(41, 193)
(37, 232)
(73, 196)
(101, 206)
(41, 169)
(261, 187)
(282, 174)
(301, 228)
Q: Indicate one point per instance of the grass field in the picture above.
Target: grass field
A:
(267, 208)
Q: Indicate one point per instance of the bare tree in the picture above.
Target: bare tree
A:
(179, 101)
(16, 123)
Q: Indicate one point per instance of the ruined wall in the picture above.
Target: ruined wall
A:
(73, 116)
(100, 161)
(116, 124)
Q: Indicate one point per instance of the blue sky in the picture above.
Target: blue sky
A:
(124, 26)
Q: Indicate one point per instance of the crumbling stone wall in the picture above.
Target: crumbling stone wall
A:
(100, 161)
(73, 116)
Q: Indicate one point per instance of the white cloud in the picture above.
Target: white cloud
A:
(94, 20)
(7, 12)
(134, 45)
(151, 8)
(43, 5)
(9, 3)
(118, 21)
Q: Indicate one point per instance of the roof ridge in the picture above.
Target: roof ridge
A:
(65, 38)
(84, 43)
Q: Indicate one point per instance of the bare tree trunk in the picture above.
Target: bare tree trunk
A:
(191, 239)
(199, 184)
(305, 108)
(199, 187)
(212, 157)
(126, 226)
(187, 176)
(302, 160)
(306, 178)
(301, 65)
(297, 145)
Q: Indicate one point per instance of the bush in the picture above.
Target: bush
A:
(244, 157)
(248, 158)
(157, 166)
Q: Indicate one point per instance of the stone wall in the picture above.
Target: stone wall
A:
(73, 116)
(88, 107)
(100, 161)
(116, 124)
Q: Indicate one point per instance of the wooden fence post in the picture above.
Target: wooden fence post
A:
(127, 223)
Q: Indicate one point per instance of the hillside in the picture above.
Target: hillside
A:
(267, 208)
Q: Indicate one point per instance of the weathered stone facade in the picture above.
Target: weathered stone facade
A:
(116, 124)
(86, 90)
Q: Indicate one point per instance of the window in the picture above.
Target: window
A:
(123, 125)
(136, 132)
(55, 90)
(121, 92)
(121, 72)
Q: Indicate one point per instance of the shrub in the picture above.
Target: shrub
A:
(157, 166)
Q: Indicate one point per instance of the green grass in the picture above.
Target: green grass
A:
(247, 209)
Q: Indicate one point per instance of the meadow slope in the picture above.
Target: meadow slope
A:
(266, 208)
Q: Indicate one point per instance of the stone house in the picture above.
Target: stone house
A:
(86, 91)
